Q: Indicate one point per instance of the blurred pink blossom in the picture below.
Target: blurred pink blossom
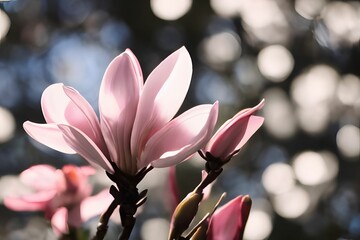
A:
(135, 127)
(63, 194)
(228, 222)
(234, 133)
(173, 189)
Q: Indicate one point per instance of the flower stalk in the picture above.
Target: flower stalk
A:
(104, 220)
(127, 197)
(187, 209)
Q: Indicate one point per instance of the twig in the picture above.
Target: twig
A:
(128, 226)
(104, 220)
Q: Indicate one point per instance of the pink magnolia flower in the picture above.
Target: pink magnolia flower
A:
(228, 222)
(135, 127)
(233, 134)
(63, 194)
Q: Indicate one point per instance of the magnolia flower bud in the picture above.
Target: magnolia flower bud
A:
(184, 214)
(201, 232)
(232, 136)
(228, 222)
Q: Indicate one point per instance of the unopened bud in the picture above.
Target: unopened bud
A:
(201, 232)
(184, 214)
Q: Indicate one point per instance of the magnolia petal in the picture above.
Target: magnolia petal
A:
(85, 147)
(33, 202)
(228, 222)
(118, 100)
(240, 115)
(19, 204)
(110, 140)
(90, 126)
(64, 105)
(95, 205)
(40, 197)
(235, 137)
(87, 170)
(54, 103)
(181, 137)
(249, 111)
(234, 133)
(59, 221)
(164, 92)
(49, 135)
(74, 217)
(72, 177)
(255, 122)
(40, 177)
(121, 85)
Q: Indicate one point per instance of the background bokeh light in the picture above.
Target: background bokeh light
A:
(258, 218)
(275, 63)
(278, 178)
(4, 24)
(303, 56)
(170, 10)
(8, 125)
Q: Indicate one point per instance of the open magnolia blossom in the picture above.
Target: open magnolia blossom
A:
(228, 222)
(63, 194)
(136, 126)
(233, 134)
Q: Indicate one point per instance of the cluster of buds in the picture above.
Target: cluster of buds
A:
(229, 221)
(136, 132)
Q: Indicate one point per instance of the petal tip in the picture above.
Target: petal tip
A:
(247, 199)
(216, 105)
(261, 104)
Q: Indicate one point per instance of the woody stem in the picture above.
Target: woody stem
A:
(104, 220)
(211, 176)
(128, 226)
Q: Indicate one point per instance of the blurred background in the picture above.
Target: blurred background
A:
(302, 169)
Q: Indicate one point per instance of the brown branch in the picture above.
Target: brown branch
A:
(104, 220)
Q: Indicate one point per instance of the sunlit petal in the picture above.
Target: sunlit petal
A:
(236, 136)
(228, 222)
(181, 137)
(242, 114)
(234, 133)
(49, 135)
(65, 105)
(85, 147)
(118, 100)
(162, 96)
(91, 127)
